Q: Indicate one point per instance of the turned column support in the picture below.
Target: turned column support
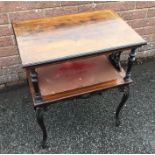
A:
(131, 60)
(34, 80)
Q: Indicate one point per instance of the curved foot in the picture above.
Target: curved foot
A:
(39, 117)
(44, 145)
(120, 106)
(118, 122)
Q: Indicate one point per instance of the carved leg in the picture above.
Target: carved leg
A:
(123, 101)
(34, 80)
(38, 100)
(115, 60)
(131, 60)
(39, 117)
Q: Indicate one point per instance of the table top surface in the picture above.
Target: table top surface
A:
(60, 38)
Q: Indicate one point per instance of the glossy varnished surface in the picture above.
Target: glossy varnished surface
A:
(77, 77)
(58, 38)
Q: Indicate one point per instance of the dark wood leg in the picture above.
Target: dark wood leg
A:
(39, 110)
(34, 80)
(125, 90)
(40, 120)
(115, 60)
(131, 60)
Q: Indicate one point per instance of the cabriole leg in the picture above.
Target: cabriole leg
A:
(125, 91)
(38, 100)
(40, 120)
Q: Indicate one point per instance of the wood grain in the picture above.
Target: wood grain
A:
(64, 37)
(76, 77)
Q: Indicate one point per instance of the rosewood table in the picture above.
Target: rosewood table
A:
(76, 54)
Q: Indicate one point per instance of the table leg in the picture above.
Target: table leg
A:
(34, 80)
(131, 60)
(125, 90)
(40, 120)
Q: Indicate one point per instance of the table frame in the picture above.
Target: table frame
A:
(114, 58)
(113, 53)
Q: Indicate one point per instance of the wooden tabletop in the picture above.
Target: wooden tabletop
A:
(58, 38)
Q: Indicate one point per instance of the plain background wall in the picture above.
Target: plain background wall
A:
(140, 15)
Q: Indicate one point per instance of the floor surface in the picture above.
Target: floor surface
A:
(83, 126)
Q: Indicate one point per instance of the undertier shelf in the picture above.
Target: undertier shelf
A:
(76, 77)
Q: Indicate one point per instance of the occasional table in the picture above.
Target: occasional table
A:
(75, 54)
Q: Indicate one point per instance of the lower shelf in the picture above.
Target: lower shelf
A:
(76, 77)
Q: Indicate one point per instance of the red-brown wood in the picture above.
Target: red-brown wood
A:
(57, 38)
(72, 78)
